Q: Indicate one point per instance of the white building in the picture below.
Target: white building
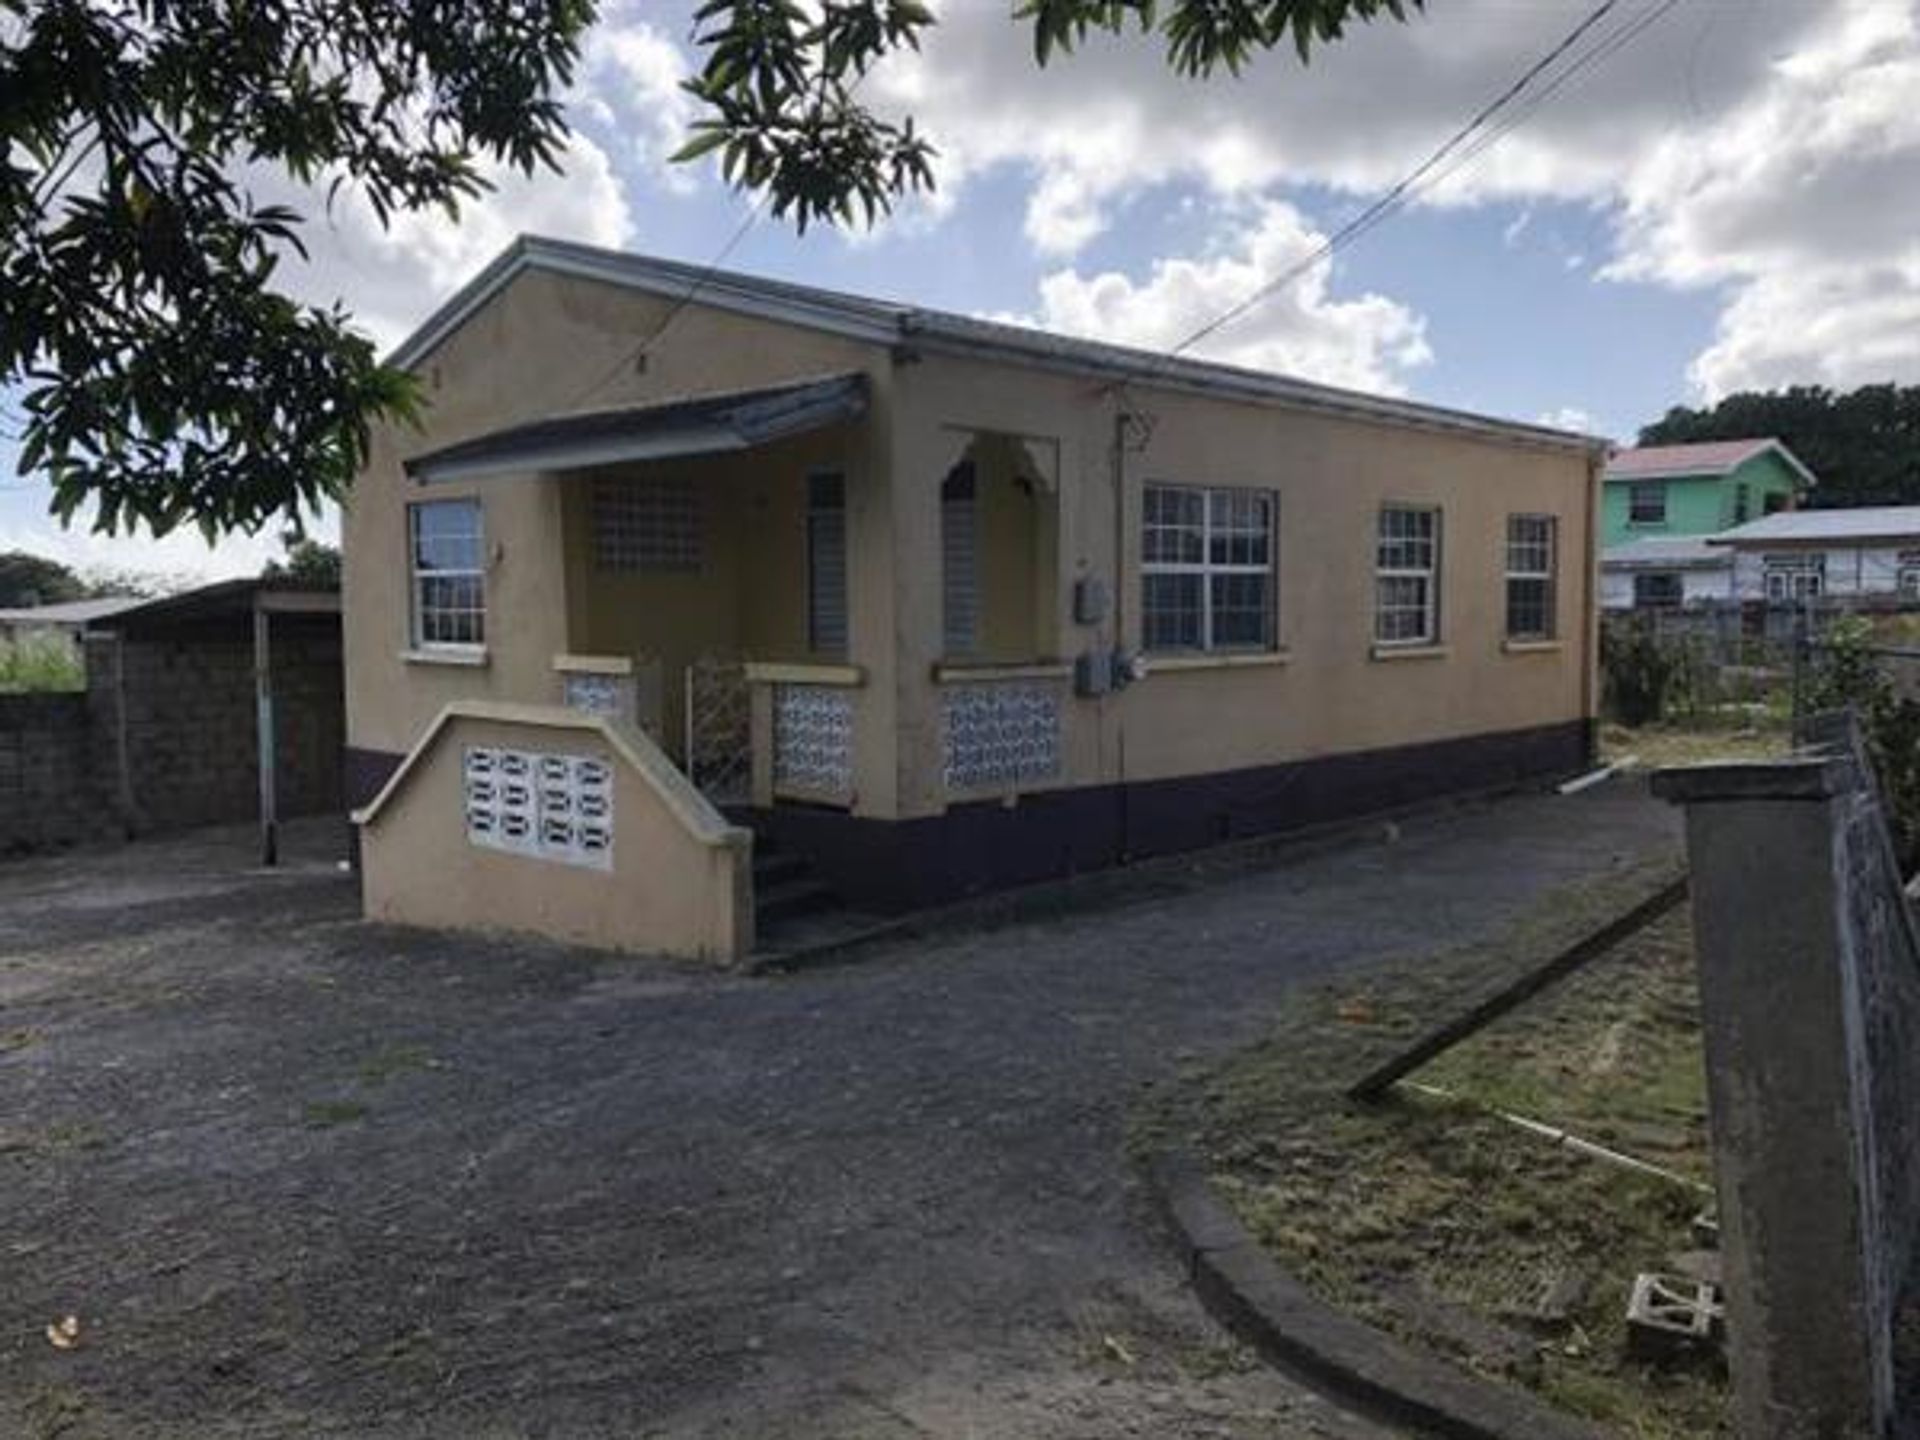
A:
(1872, 552)
(1662, 574)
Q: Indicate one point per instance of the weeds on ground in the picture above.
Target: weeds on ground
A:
(40, 663)
(1444, 1224)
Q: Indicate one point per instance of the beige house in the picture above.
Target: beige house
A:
(689, 566)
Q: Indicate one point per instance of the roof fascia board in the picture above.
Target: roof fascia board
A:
(1210, 383)
(629, 272)
(581, 455)
(1634, 477)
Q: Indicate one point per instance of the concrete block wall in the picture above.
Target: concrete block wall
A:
(191, 742)
(49, 790)
(71, 772)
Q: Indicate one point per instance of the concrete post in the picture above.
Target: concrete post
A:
(1808, 1349)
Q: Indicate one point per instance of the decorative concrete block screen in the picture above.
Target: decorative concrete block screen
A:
(599, 694)
(1000, 734)
(1810, 1004)
(813, 739)
(553, 807)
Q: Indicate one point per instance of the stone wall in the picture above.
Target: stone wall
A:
(74, 769)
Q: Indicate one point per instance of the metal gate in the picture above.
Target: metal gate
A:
(719, 730)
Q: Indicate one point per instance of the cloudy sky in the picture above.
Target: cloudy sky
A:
(1729, 199)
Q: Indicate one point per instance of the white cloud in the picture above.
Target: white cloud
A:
(1569, 417)
(1367, 342)
(1770, 149)
(1803, 202)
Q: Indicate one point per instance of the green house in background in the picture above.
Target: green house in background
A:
(1669, 491)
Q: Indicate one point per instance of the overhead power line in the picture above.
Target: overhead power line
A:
(1459, 149)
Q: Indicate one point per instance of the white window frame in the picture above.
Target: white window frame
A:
(1634, 488)
(1787, 578)
(417, 577)
(1547, 577)
(960, 560)
(1429, 575)
(1206, 567)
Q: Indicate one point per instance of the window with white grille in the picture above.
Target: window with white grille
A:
(1206, 566)
(648, 523)
(959, 561)
(1530, 570)
(1794, 576)
(1406, 585)
(827, 564)
(549, 807)
(447, 559)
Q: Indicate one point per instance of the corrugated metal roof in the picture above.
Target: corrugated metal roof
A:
(696, 425)
(1686, 552)
(1868, 522)
(70, 612)
(1712, 457)
(889, 323)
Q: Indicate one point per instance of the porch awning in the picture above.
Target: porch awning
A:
(700, 425)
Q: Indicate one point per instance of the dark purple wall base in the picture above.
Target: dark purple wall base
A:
(893, 865)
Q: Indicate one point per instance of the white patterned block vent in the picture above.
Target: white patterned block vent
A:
(1000, 735)
(550, 807)
(813, 739)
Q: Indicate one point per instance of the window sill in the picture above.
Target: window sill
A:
(963, 674)
(471, 659)
(1411, 652)
(768, 672)
(1532, 647)
(1222, 660)
(593, 664)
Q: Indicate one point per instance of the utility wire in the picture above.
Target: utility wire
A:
(1464, 145)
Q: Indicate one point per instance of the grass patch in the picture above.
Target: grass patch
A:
(324, 1114)
(39, 663)
(1654, 746)
(1442, 1223)
(393, 1060)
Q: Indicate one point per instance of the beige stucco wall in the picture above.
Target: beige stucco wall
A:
(535, 347)
(673, 889)
(748, 601)
(548, 344)
(1330, 474)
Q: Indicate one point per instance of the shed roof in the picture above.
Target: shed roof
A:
(891, 323)
(70, 612)
(1684, 552)
(1712, 457)
(1867, 522)
(699, 425)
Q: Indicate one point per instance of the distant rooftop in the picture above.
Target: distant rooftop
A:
(1712, 457)
(1685, 552)
(69, 612)
(1869, 522)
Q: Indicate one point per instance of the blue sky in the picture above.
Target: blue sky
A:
(1720, 205)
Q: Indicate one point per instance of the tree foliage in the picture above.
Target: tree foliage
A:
(1863, 445)
(779, 81)
(27, 579)
(166, 377)
(309, 565)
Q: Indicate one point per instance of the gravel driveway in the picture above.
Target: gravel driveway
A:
(301, 1175)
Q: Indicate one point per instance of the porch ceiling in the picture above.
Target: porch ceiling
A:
(698, 425)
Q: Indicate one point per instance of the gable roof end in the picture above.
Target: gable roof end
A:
(1707, 458)
(891, 324)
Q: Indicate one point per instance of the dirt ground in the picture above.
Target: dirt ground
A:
(296, 1174)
